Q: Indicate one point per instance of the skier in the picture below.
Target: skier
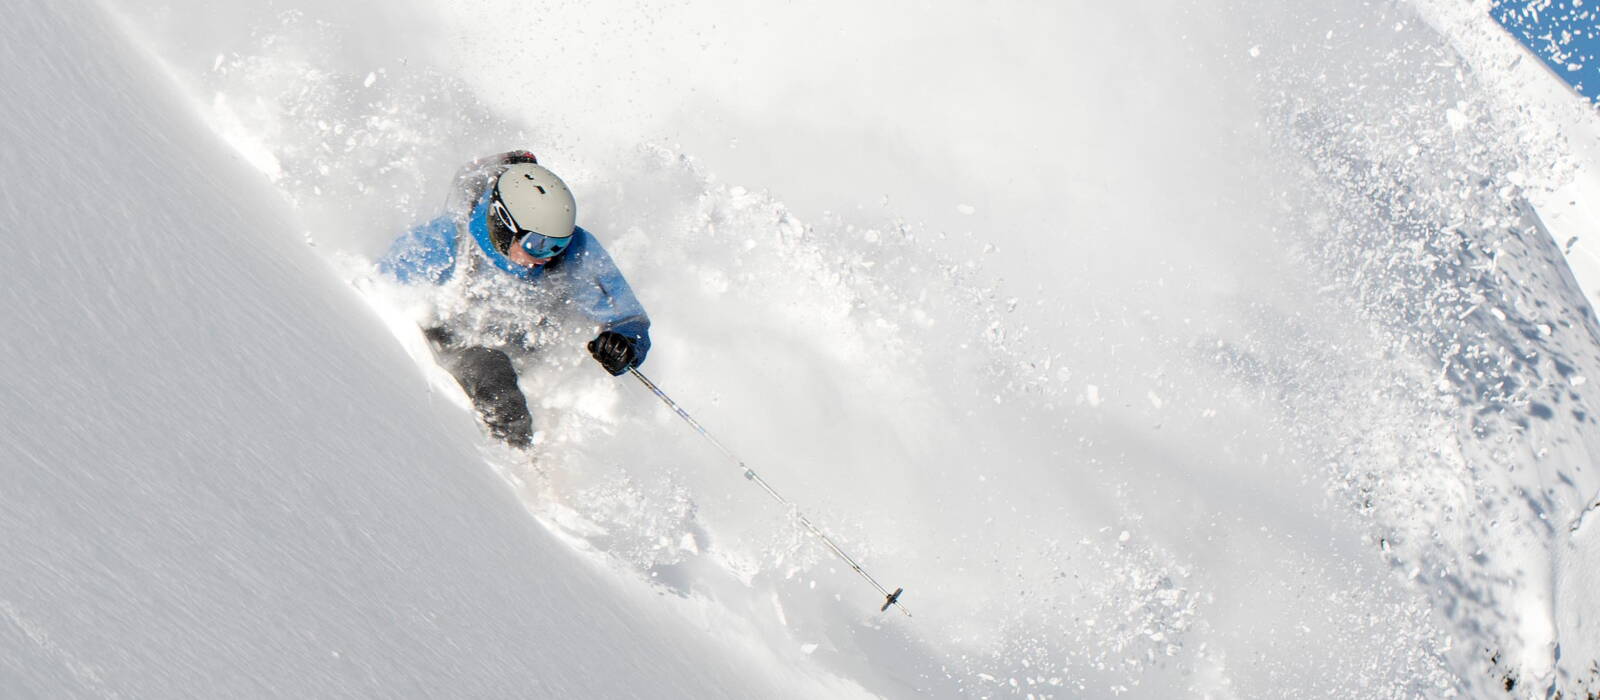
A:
(516, 275)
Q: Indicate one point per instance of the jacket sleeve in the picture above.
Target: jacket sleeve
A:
(426, 253)
(602, 294)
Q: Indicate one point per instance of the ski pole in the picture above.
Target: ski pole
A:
(888, 598)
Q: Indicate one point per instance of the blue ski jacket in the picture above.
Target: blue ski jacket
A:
(594, 286)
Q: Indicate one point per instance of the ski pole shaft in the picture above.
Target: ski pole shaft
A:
(750, 474)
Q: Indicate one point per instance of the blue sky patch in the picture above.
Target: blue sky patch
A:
(1565, 34)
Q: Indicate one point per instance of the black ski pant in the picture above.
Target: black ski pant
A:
(490, 380)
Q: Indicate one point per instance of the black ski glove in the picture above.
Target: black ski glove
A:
(614, 351)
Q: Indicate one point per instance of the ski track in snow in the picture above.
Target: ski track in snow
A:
(1256, 349)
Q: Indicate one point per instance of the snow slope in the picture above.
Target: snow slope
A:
(1157, 349)
(221, 479)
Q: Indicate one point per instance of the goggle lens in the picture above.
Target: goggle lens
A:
(540, 246)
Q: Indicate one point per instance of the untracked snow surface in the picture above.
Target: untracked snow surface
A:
(1157, 349)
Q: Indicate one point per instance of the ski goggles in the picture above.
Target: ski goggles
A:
(542, 246)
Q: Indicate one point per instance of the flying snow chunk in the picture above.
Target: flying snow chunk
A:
(966, 209)
(371, 78)
(1091, 393)
(1255, 51)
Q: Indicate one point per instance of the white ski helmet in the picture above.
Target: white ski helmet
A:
(528, 198)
